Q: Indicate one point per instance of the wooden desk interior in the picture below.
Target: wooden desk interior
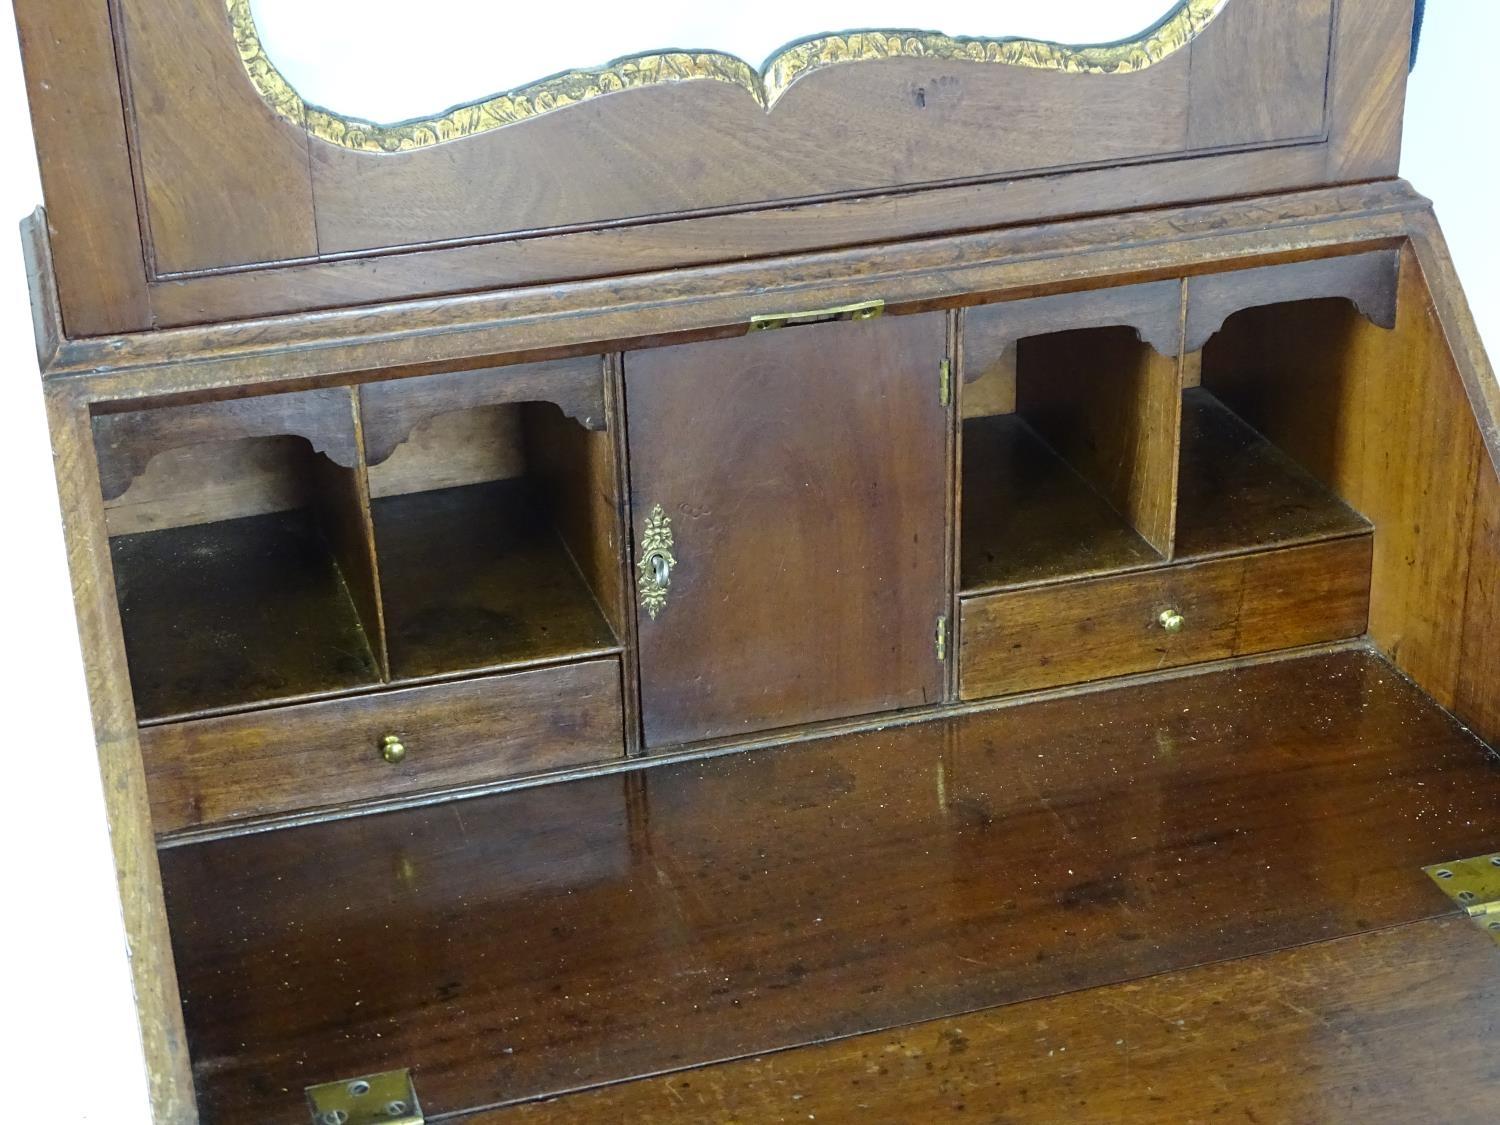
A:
(945, 576)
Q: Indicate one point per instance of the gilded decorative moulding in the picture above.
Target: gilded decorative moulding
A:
(793, 62)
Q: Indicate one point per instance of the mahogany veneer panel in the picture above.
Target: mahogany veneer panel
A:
(1281, 93)
(1236, 490)
(328, 753)
(83, 152)
(882, 124)
(475, 577)
(1387, 1028)
(894, 123)
(805, 472)
(236, 612)
(222, 180)
(545, 940)
(191, 125)
(1029, 517)
(1102, 627)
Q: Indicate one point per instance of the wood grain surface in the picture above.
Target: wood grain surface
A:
(219, 770)
(545, 940)
(805, 474)
(1091, 629)
(1387, 1028)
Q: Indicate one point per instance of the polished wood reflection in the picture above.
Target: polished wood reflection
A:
(1387, 1028)
(547, 940)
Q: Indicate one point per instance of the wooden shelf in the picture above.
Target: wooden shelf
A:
(1238, 492)
(476, 579)
(552, 939)
(242, 611)
(1028, 517)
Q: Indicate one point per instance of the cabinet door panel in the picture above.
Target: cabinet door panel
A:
(804, 475)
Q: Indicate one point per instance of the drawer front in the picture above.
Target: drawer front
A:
(324, 754)
(1073, 632)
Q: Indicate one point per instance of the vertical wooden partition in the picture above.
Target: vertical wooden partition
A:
(1109, 405)
(1070, 410)
(1381, 415)
(242, 550)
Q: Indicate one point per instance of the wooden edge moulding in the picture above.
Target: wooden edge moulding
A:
(395, 491)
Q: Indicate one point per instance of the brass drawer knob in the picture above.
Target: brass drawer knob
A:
(392, 749)
(1172, 621)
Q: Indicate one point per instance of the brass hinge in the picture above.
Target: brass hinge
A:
(375, 1099)
(863, 310)
(1475, 885)
(945, 380)
(942, 638)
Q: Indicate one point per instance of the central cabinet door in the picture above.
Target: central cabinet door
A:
(790, 487)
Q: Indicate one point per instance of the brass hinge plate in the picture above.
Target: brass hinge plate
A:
(375, 1099)
(942, 638)
(863, 310)
(945, 382)
(1474, 884)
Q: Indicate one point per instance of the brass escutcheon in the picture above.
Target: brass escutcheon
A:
(654, 571)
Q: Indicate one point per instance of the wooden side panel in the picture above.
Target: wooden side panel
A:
(1367, 89)
(804, 474)
(203, 483)
(1478, 699)
(321, 754)
(577, 469)
(78, 119)
(1478, 702)
(154, 975)
(1383, 419)
(1097, 628)
(1279, 94)
(225, 180)
(989, 370)
(485, 443)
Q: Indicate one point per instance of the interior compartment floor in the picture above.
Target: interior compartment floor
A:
(553, 939)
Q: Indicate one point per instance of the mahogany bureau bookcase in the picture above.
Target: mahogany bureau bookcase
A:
(679, 560)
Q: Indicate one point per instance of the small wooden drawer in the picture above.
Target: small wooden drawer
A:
(330, 753)
(1073, 632)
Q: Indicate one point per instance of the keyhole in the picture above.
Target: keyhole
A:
(661, 570)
